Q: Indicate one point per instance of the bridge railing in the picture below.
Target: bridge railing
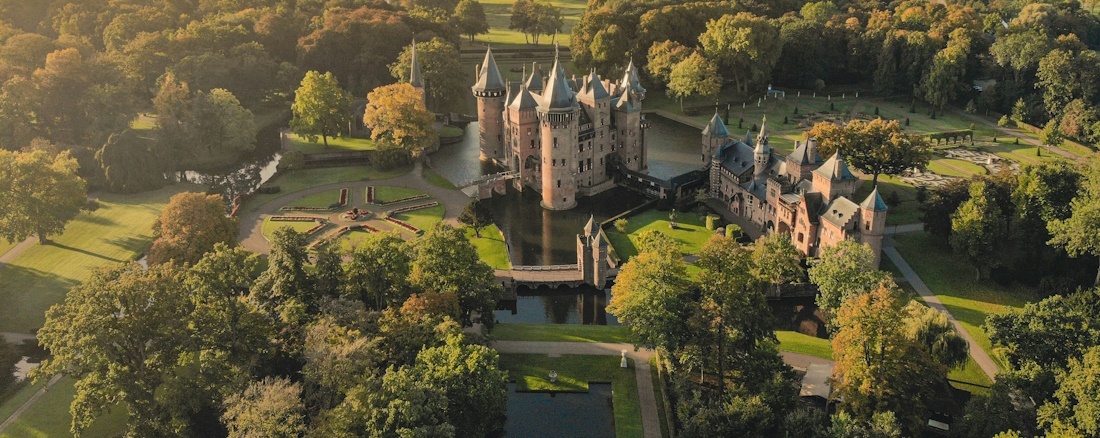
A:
(487, 178)
(546, 268)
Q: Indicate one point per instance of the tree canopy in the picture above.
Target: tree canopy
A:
(189, 227)
(875, 147)
(321, 107)
(397, 116)
(39, 194)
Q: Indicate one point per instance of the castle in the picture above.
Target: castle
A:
(559, 134)
(801, 194)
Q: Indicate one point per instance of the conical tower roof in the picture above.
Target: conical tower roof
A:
(593, 87)
(590, 227)
(534, 82)
(415, 79)
(873, 202)
(523, 100)
(835, 169)
(557, 96)
(716, 128)
(630, 79)
(489, 79)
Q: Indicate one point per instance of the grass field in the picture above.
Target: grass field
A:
(351, 239)
(952, 167)
(952, 280)
(49, 416)
(326, 199)
(269, 226)
(499, 15)
(335, 144)
(40, 277)
(446, 131)
(799, 343)
(303, 179)
(436, 179)
(561, 333)
(572, 368)
(490, 247)
(389, 194)
(5, 246)
(423, 219)
(690, 232)
(13, 400)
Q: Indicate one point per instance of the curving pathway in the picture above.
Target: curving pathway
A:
(251, 236)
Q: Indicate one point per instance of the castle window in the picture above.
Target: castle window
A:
(528, 131)
(801, 237)
(867, 225)
(559, 186)
(532, 142)
(555, 142)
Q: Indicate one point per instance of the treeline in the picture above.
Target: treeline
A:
(74, 75)
(232, 344)
(929, 50)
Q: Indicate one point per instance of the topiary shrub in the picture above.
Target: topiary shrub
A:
(621, 225)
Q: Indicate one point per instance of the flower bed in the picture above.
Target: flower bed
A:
(294, 218)
(370, 194)
(343, 230)
(320, 224)
(294, 208)
(412, 208)
(343, 197)
(404, 225)
(405, 199)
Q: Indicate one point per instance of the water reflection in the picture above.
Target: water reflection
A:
(460, 162)
(565, 415)
(582, 305)
(242, 177)
(674, 148)
(799, 314)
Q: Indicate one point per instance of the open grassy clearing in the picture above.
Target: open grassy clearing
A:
(799, 343)
(41, 276)
(690, 232)
(335, 144)
(49, 416)
(269, 226)
(390, 194)
(326, 199)
(436, 179)
(573, 368)
(561, 333)
(952, 280)
(499, 15)
(491, 247)
(423, 218)
(299, 180)
(957, 168)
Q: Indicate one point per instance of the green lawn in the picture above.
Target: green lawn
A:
(423, 218)
(351, 239)
(907, 211)
(14, 400)
(561, 333)
(298, 180)
(658, 384)
(49, 416)
(450, 131)
(335, 144)
(144, 122)
(436, 179)
(117, 232)
(326, 199)
(499, 13)
(591, 369)
(952, 167)
(269, 226)
(952, 280)
(690, 232)
(5, 246)
(389, 193)
(799, 343)
(490, 247)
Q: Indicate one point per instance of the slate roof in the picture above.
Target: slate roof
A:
(625, 101)
(590, 227)
(558, 95)
(874, 201)
(593, 88)
(716, 127)
(415, 78)
(534, 82)
(840, 212)
(835, 168)
(736, 157)
(490, 79)
(523, 100)
(803, 154)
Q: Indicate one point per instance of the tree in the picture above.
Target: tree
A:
(355, 45)
(328, 272)
(776, 260)
(663, 56)
(694, 76)
(39, 195)
(474, 385)
(1075, 409)
(202, 128)
(745, 45)
(378, 273)
(444, 79)
(651, 295)
(320, 107)
(477, 216)
(930, 329)
(1077, 234)
(521, 18)
(190, 226)
(120, 334)
(470, 18)
(397, 116)
(875, 147)
(546, 18)
(269, 408)
(1046, 333)
(978, 228)
(843, 271)
(877, 368)
(130, 164)
(446, 262)
(1051, 135)
(8, 358)
(285, 289)
(943, 202)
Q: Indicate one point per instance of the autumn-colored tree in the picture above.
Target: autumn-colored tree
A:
(397, 116)
(876, 147)
(39, 195)
(320, 107)
(190, 225)
(694, 76)
(272, 408)
(432, 303)
(663, 56)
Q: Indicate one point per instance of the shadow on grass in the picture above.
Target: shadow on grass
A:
(27, 293)
(85, 252)
(133, 244)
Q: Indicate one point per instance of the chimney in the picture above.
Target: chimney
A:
(811, 147)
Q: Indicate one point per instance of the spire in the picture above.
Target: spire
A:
(489, 76)
(558, 95)
(716, 128)
(594, 88)
(590, 228)
(630, 79)
(415, 79)
(534, 83)
(873, 202)
(835, 169)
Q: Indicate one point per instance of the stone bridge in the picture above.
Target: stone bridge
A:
(483, 188)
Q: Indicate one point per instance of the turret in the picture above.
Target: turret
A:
(761, 152)
(558, 121)
(522, 113)
(715, 135)
(873, 222)
(415, 78)
(490, 93)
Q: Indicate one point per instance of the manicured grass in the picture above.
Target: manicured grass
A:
(490, 247)
(624, 386)
(116, 232)
(424, 218)
(691, 232)
(303, 179)
(970, 373)
(561, 333)
(351, 239)
(907, 211)
(436, 179)
(450, 131)
(388, 193)
(952, 280)
(269, 226)
(952, 167)
(144, 122)
(335, 144)
(799, 343)
(499, 12)
(326, 199)
(5, 246)
(14, 400)
(658, 384)
(543, 384)
(49, 416)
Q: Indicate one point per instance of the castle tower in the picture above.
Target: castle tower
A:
(834, 179)
(415, 78)
(558, 120)
(523, 141)
(761, 152)
(630, 139)
(490, 93)
(596, 102)
(599, 260)
(584, 251)
(873, 222)
(715, 135)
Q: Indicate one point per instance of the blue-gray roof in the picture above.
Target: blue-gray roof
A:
(716, 128)
(874, 202)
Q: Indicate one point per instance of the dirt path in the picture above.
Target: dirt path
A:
(1012, 133)
(252, 238)
(14, 251)
(27, 404)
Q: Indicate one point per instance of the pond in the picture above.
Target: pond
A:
(581, 305)
(565, 415)
(244, 176)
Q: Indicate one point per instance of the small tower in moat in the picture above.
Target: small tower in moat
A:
(490, 94)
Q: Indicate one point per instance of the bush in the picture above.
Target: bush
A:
(892, 198)
(922, 194)
(389, 159)
(292, 160)
(1004, 121)
(733, 231)
(621, 225)
(711, 222)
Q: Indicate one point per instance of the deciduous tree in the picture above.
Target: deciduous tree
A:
(1077, 234)
(320, 107)
(843, 271)
(397, 116)
(470, 18)
(190, 226)
(379, 271)
(651, 295)
(477, 216)
(446, 262)
(694, 76)
(931, 330)
(875, 147)
(745, 45)
(776, 260)
(269, 408)
(663, 56)
(444, 79)
(474, 385)
(978, 229)
(39, 195)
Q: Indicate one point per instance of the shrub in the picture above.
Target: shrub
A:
(733, 231)
(922, 194)
(711, 222)
(621, 225)
(1004, 121)
(292, 160)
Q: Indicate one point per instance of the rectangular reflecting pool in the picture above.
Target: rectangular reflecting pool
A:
(580, 305)
(564, 415)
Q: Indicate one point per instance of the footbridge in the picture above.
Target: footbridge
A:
(482, 188)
